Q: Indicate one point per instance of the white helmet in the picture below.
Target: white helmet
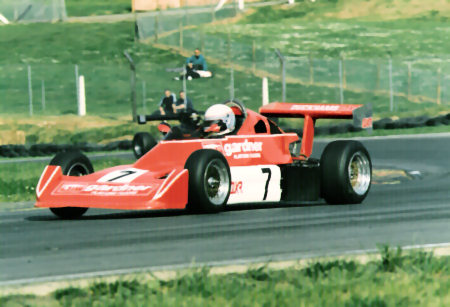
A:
(219, 119)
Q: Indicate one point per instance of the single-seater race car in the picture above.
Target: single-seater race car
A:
(232, 156)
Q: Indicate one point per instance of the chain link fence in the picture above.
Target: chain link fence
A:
(51, 89)
(409, 78)
(151, 25)
(33, 10)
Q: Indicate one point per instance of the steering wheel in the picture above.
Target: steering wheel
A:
(234, 103)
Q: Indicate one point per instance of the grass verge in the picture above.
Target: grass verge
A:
(25, 176)
(416, 278)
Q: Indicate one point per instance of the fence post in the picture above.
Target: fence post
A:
(391, 86)
(229, 48)
(265, 91)
(231, 83)
(213, 11)
(156, 27)
(378, 76)
(133, 85)
(202, 42)
(181, 35)
(344, 72)
(144, 98)
(43, 94)
(76, 79)
(241, 4)
(438, 90)
(409, 79)
(184, 85)
(81, 97)
(62, 9)
(283, 74)
(311, 69)
(30, 91)
(341, 85)
(253, 56)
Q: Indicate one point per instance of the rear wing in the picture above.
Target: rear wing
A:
(361, 114)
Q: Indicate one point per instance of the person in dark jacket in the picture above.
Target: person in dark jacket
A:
(184, 104)
(167, 103)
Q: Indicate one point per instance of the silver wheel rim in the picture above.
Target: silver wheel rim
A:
(77, 169)
(359, 173)
(216, 182)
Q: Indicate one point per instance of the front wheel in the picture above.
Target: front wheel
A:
(209, 181)
(73, 163)
(346, 172)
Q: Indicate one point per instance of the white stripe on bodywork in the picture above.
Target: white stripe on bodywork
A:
(40, 191)
(168, 183)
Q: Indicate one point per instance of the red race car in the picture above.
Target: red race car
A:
(232, 156)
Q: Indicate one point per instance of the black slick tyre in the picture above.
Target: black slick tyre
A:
(209, 181)
(73, 163)
(142, 143)
(346, 172)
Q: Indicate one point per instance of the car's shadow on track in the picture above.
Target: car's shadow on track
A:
(166, 213)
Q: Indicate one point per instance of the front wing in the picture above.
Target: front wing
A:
(116, 188)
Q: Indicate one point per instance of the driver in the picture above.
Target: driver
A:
(219, 120)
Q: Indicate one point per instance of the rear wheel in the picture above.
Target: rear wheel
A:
(346, 172)
(73, 163)
(142, 143)
(209, 181)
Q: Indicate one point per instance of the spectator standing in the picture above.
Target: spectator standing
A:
(184, 104)
(167, 103)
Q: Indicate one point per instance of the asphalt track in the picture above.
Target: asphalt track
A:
(35, 246)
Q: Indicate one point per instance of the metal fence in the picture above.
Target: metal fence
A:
(153, 24)
(51, 89)
(33, 10)
(408, 78)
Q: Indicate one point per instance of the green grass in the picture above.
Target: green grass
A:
(354, 39)
(25, 176)
(97, 7)
(52, 50)
(397, 279)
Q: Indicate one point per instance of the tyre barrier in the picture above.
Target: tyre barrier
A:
(384, 123)
(38, 150)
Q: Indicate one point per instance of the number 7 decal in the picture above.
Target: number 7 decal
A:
(122, 176)
(266, 170)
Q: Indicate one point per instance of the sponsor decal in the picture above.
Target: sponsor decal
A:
(313, 107)
(236, 187)
(241, 150)
(102, 189)
(217, 147)
(366, 122)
